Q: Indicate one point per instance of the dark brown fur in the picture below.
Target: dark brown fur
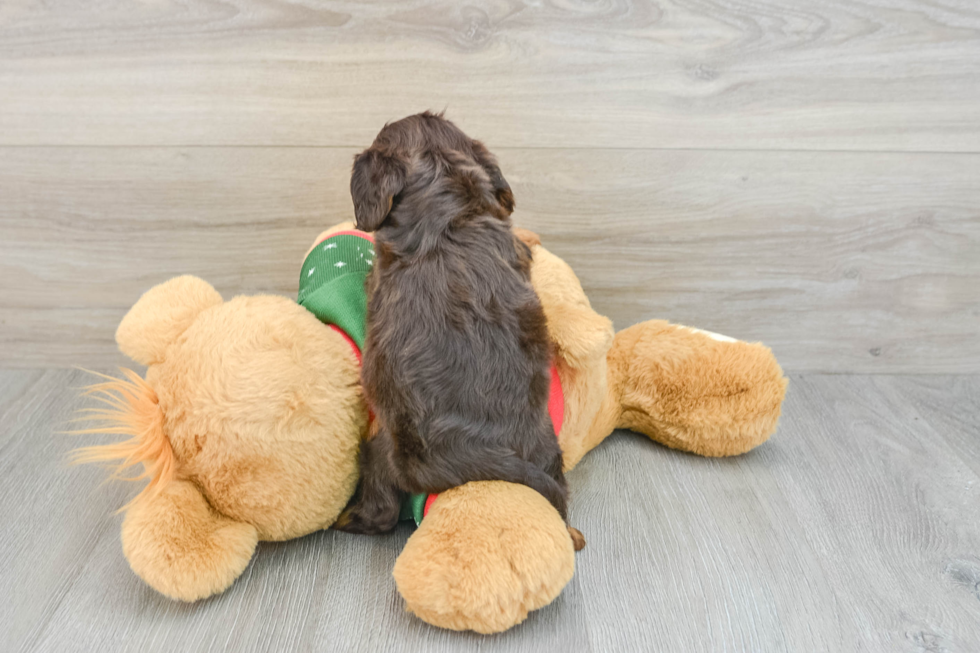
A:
(457, 356)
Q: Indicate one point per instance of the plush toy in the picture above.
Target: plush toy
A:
(250, 415)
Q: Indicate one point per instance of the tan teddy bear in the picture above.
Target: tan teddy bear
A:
(249, 419)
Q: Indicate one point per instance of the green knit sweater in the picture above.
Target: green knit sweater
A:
(331, 283)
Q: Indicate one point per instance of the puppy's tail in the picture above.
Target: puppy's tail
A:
(134, 410)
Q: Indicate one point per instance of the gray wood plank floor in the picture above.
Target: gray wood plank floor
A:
(856, 528)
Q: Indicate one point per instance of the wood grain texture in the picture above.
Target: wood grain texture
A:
(865, 262)
(830, 75)
(957, 418)
(856, 528)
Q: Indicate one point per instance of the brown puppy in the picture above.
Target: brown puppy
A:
(456, 361)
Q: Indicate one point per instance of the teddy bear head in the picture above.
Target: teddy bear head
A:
(253, 401)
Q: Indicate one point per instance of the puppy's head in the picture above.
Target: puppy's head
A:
(421, 160)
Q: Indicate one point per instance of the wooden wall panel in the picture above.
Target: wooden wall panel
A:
(893, 75)
(841, 262)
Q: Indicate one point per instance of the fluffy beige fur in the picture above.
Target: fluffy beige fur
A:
(249, 422)
(251, 412)
(510, 544)
(182, 547)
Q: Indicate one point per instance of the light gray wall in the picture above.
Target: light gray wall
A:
(806, 174)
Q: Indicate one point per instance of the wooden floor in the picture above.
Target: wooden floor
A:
(857, 528)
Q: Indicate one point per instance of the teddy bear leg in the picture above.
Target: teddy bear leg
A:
(486, 554)
(181, 547)
(695, 391)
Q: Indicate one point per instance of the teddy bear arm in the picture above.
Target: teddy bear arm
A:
(580, 335)
(693, 390)
(181, 547)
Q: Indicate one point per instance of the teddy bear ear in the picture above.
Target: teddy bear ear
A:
(161, 315)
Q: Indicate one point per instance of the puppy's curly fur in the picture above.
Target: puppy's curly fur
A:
(457, 356)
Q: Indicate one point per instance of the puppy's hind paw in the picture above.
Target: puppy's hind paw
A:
(354, 520)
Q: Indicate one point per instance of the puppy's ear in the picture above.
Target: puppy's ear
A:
(501, 189)
(376, 179)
